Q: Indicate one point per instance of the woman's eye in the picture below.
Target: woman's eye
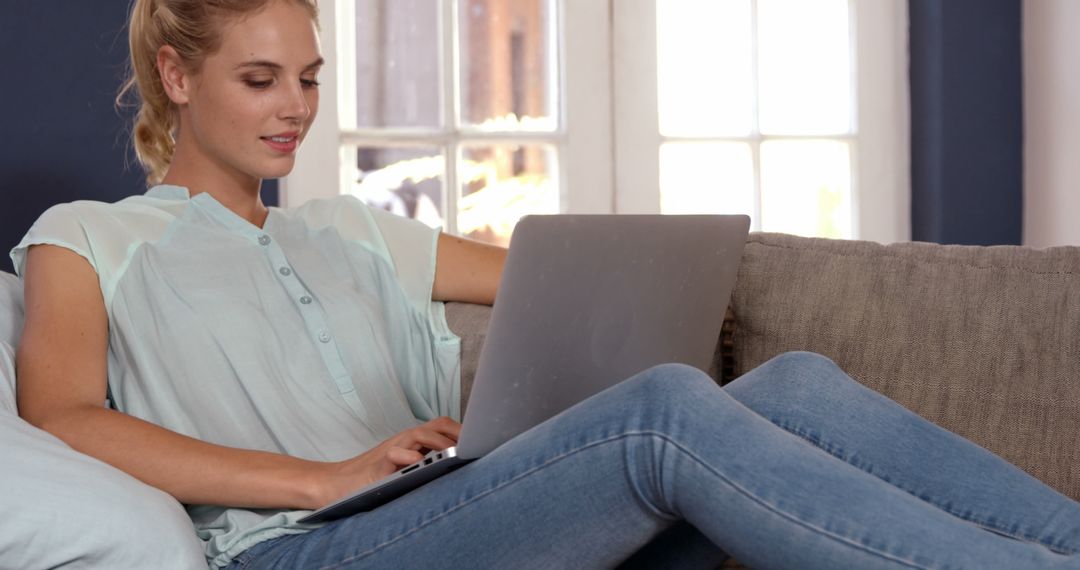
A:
(309, 82)
(258, 84)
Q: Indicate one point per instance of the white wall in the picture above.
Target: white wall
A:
(1051, 122)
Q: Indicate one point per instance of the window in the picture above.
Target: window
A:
(756, 112)
(456, 116)
(791, 111)
(468, 114)
(456, 111)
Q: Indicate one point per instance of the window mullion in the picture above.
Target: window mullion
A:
(755, 161)
(450, 81)
(755, 115)
(453, 187)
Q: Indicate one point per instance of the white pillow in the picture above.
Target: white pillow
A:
(61, 507)
(7, 379)
(11, 308)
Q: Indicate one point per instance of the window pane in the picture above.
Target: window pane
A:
(706, 178)
(508, 64)
(804, 66)
(397, 63)
(406, 181)
(704, 67)
(806, 188)
(502, 183)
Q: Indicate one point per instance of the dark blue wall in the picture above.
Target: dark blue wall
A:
(62, 139)
(966, 121)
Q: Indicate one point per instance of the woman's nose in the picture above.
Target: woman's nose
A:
(295, 106)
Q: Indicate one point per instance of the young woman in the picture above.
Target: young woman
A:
(265, 362)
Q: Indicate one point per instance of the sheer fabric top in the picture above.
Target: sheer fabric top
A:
(313, 336)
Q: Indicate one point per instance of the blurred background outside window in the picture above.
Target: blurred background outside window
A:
(756, 112)
(469, 143)
(469, 114)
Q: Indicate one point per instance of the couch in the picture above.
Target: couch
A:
(984, 341)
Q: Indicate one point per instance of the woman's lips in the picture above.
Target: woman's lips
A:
(282, 144)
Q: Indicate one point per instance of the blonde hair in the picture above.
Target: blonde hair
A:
(194, 29)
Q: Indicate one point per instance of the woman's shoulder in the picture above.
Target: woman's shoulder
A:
(379, 230)
(96, 230)
(347, 212)
(328, 211)
(120, 214)
(352, 219)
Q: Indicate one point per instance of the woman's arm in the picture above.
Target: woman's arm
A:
(62, 380)
(467, 270)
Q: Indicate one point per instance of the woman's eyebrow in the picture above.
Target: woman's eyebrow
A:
(262, 63)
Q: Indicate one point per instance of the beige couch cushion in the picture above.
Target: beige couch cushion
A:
(470, 323)
(983, 341)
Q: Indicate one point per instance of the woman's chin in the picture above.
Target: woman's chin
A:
(280, 169)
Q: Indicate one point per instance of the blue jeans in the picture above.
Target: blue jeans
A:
(794, 465)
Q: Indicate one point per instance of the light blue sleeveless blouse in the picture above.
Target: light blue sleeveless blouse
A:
(314, 336)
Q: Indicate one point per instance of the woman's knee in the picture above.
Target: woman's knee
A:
(805, 365)
(792, 376)
(671, 383)
(664, 376)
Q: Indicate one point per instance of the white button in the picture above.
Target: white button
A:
(324, 336)
(285, 271)
(305, 300)
(264, 240)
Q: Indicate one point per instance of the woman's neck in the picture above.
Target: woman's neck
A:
(234, 190)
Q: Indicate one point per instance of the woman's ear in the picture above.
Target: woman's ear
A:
(174, 76)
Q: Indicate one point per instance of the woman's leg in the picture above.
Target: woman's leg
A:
(591, 486)
(677, 547)
(809, 396)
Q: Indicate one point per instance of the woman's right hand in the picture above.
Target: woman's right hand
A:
(339, 479)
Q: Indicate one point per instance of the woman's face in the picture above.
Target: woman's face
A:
(252, 102)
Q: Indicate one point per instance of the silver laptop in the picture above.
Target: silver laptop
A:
(585, 302)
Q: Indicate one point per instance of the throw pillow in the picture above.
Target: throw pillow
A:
(11, 308)
(64, 507)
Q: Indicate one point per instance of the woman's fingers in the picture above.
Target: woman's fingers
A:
(408, 446)
(446, 426)
(400, 457)
(437, 434)
(420, 439)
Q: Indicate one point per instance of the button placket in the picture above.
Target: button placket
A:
(295, 289)
(317, 326)
(314, 317)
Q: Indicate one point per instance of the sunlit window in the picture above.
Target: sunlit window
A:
(456, 108)
(756, 111)
(468, 114)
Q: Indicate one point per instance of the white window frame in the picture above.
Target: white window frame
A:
(609, 134)
(583, 140)
(880, 190)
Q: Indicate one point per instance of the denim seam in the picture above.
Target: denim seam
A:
(560, 457)
(829, 447)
